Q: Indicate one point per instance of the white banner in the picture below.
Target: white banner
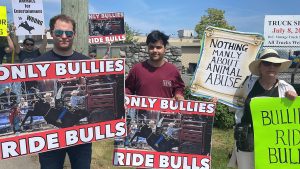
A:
(223, 65)
(28, 17)
(282, 31)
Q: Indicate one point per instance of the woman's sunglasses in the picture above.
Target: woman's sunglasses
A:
(266, 63)
(59, 33)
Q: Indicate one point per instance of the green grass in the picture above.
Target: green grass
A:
(103, 155)
(222, 144)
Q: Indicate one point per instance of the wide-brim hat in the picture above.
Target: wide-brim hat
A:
(269, 55)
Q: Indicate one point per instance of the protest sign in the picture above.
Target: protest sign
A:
(282, 31)
(223, 64)
(51, 105)
(276, 132)
(28, 17)
(106, 27)
(164, 133)
(3, 21)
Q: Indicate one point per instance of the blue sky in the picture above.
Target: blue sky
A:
(172, 15)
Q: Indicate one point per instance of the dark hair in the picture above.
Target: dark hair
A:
(61, 17)
(28, 39)
(155, 36)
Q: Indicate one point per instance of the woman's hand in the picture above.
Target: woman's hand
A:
(291, 95)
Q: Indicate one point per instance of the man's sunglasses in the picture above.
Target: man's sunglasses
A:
(266, 63)
(59, 33)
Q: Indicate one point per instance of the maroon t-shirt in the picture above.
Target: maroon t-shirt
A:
(145, 80)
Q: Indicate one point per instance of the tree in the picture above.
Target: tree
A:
(214, 18)
(130, 33)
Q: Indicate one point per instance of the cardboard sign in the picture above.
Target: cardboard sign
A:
(51, 105)
(164, 133)
(282, 31)
(28, 17)
(3, 21)
(106, 27)
(276, 132)
(223, 64)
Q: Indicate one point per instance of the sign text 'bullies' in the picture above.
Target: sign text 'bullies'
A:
(60, 138)
(160, 160)
(164, 104)
(38, 71)
(277, 135)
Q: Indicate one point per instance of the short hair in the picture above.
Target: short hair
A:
(155, 36)
(28, 39)
(64, 18)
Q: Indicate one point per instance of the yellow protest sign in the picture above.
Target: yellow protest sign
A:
(276, 133)
(3, 21)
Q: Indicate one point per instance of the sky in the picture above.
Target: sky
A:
(170, 16)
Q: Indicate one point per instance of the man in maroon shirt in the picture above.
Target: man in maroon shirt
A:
(155, 77)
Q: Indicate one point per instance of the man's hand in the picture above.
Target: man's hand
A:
(179, 97)
(291, 95)
(214, 100)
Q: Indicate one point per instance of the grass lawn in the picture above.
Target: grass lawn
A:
(222, 143)
(221, 146)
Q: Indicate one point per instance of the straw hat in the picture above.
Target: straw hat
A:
(269, 55)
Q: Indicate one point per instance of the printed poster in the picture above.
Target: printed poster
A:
(28, 17)
(3, 21)
(223, 64)
(282, 31)
(106, 28)
(51, 105)
(164, 133)
(276, 132)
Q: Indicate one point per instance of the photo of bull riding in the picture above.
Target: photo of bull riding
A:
(112, 26)
(47, 104)
(167, 132)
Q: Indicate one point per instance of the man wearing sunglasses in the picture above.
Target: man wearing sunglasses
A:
(29, 51)
(62, 29)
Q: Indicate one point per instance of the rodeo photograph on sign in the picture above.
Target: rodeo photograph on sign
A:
(52, 96)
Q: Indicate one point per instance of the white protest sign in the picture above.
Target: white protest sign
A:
(28, 17)
(282, 31)
(223, 65)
